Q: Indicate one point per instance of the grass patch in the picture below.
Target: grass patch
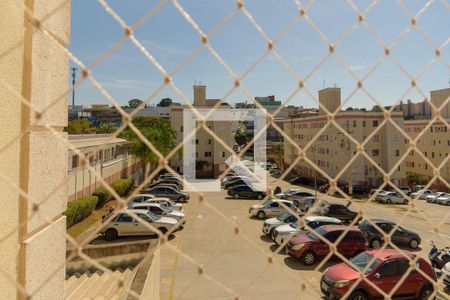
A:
(77, 229)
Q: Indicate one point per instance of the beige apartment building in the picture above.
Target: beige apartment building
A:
(210, 154)
(333, 150)
(434, 143)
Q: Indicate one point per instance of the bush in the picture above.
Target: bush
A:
(123, 186)
(103, 196)
(80, 209)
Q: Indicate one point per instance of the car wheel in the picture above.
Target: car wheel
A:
(181, 199)
(425, 293)
(413, 244)
(388, 201)
(236, 196)
(260, 215)
(259, 197)
(405, 201)
(358, 295)
(296, 203)
(111, 234)
(376, 244)
(308, 258)
(163, 230)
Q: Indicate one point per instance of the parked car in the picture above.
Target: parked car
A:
(298, 196)
(308, 247)
(433, 197)
(380, 194)
(166, 182)
(174, 186)
(230, 178)
(299, 181)
(168, 176)
(235, 182)
(401, 236)
(272, 223)
(356, 189)
(406, 190)
(392, 198)
(325, 187)
(284, 194)
(337, 211)
(168, 192)
(244, 191)
(166, 202)
(139, 198)
(124, 224)
(421, 194)
(271, 208)
(446, 274)
(162, 211)
(444, 199)
(307, 202)
(285, 232)
(384, 269)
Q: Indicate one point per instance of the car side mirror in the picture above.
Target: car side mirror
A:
(377, 275)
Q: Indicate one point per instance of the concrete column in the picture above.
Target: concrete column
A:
(33, 160)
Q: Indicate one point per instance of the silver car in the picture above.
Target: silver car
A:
(444, 199)
(166, 202)
(272, 223)
(139, 198)
(422, 194)
(124, 224)
(298, 196)
(160, 210)
(271, 208)
(393, 197)
(168, 192)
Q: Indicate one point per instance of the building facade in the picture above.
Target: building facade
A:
(333, 150)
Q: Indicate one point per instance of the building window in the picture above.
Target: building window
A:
(375, 152)
(431, 128)
(426, 154)
(398, 168)
(209, 141)
(397, 152)
(432, 154)
(364, 123)
(223, 154)
(196, 141)
(181, 128)
(376, 138)
(354, 123)
(75, 161)
(375, 123)
(207, 154)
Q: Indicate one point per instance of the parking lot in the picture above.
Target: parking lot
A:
(223, 254)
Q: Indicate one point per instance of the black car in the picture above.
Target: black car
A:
(401, 236)
(337, 211)
(234, 182)
(244, 191)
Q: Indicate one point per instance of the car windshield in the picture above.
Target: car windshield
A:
(283, 217)
(151, 216)
(295, 225)
(362, 260)
(318, 231)
(172, 203)
(166, 209)
(364, 225)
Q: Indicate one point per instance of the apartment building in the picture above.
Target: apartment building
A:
(434, 143)
(210, 154)
(333, 150)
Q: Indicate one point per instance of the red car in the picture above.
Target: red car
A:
(309, 247)
(325, 187)
(384, 269)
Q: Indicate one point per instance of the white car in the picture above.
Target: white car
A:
(422, 194)
(139, 198)
(124, 224)
(393, 197)
(446, 274)
(271, 208)
(284, 194)
(166, 202)
(272, 223)
(433, 197)
(160, 210)
(444, 199)
(298, 196)
(380, 195)
(283, 233)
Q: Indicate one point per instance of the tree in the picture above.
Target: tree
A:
(166, 102)
(133, 103)
(376, 108)
(80, 127)
(106, 128)
(416, 179)
(278, 151)
(157, 131)
(240, 136)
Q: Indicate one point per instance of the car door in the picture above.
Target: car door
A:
(385, 277)
(274, 209)
(140, 227)
(124, 224)
(331, 237)
(400, 236)
(156, 210)
(345, 245)
(412, 281)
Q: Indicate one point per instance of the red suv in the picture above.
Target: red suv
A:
(309, 247)
(384, 269)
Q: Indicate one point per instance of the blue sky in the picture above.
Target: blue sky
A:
(127, 74)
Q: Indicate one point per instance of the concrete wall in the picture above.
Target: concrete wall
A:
(151, 286)
(34, 70)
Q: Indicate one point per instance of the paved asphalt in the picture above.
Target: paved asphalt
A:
(222, 253)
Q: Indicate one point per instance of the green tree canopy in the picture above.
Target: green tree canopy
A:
(106, 128)
(240, 136)
(416, 179)
(133, 103)
(278, 151)
(80, 127)
(157, 131)
(166, 102)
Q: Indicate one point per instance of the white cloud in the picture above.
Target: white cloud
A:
(358, 67)
(121, 83)
(164, 49)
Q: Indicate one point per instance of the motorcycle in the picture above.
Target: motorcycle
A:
(438, 257)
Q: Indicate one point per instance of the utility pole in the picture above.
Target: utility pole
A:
(74, 76)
